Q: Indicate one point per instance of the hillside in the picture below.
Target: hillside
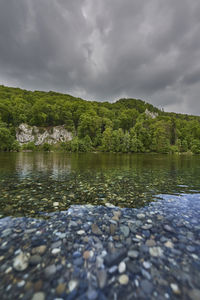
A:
(128, 125)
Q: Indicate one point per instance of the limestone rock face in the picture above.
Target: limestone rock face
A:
(152, 115)
(41, 135)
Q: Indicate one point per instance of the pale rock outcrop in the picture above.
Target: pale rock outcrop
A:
(41, 135)
(150, 114)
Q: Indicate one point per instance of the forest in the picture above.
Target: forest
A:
(127, 125)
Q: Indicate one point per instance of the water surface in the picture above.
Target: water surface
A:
(33, 183)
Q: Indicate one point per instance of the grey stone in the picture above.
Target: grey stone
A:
(35, 259)
(125, 230)
(102, 277)
(114, 258)
(50, 270)
(168, 228)
(191, 248)
(146, 274)
(156, 251)
(133, 253)
(140, 216)
(39, 296)
(147, 287)
(92, 294)
(78, 261)
(113, 269)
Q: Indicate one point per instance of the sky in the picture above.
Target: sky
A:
(104, 50)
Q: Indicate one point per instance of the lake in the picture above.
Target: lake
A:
(32, 184)
(99, 226)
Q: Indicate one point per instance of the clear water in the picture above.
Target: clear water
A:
(33, 183)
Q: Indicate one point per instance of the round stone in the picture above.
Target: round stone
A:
(122, 267)
(86, 255)
(125, 230)
(147, 265)
(140, 216)
(21, 283)
(50, 270)
(92, 294)
(123, 279)
(21, 261)
(55, 251)
(133, 253)
(169, 244)
(38, 296)
(39, 250)
(35, 259)
(80, 232)
(190, 248)
(156, 251)
(168, 228)
(175, 288)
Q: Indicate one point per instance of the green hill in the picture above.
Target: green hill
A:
(128, 125)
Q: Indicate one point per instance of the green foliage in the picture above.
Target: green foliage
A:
(29, 146)
(195, 146)
(174, 149)
(6, 139)
(124, 126)
(16, 146)
(46, 147)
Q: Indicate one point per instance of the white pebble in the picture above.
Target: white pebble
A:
(123, 279)
(80, 232)
(122, 267)
(175, 288)
(55, 251)
(72, 285)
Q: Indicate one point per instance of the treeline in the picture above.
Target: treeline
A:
(128, 125)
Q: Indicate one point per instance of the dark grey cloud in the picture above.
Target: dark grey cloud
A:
(104, 50)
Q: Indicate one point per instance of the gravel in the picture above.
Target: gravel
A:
(81, 254)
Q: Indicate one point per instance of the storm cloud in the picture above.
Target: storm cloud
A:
(104, 49)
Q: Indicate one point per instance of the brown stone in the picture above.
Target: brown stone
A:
(113, 228)
(96, 230)
(39, 250)
(86, 254)
(38, 285)
(28, 286)
(150, 243)
(116, 238)
(60, 288)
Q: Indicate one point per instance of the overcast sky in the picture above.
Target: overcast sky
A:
(104, 49)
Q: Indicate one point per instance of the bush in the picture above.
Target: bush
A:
(29, 146)
(174, 149)
(46, 147)
(66, 146)
(16, 146)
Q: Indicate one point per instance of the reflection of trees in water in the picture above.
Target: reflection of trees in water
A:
(124, 180)
(53, 164)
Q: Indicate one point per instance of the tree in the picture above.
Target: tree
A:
(6, 139)
(107, 140)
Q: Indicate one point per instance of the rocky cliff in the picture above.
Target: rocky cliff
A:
(41, 135)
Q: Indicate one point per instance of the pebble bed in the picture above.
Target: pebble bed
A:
(104, 252)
